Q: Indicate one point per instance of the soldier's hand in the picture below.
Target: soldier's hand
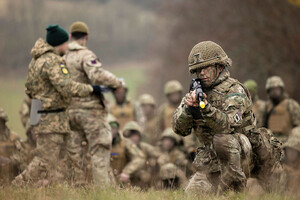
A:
(193, 101)
(124, 177)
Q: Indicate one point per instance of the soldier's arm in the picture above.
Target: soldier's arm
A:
(99, 76)
(136, 156)
(60, 78)
(182, 120)
(236, 104)
(150, 150)
(294, 110)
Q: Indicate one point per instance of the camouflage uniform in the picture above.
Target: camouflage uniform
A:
(88, 115)
(293, 169)
(150, 124)
(49, 81)
(128, 111)
(284, 116)
(259, 105)
(172, 164)
(165, 111)
(146, 175)
(25, 111)
(227, 115)
(126, 157)
(7, 140)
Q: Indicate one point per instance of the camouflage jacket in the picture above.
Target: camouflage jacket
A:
(229, 110)
(126, 157)
(85, 67)
(175, 156)
(49, 81)
(25, 111)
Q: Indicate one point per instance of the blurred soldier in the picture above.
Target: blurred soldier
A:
(145, 176)
(258, 106)
(220, 125)
(88, 115)
(7, 140)
(148, 105)
(292, 161)
(173, 92)
(125, 110)
(25, 111)
(282, 113)
(172, 161)
(126, 157)
(50, 88)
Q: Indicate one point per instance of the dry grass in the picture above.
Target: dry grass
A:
(66, 192)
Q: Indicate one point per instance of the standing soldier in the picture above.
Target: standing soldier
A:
(125, 110)
(126, 157)
(282, 113)
(50, 88)
(88, 115)
(148, 105)
(220, 125)
(173, 92)
(259, 105)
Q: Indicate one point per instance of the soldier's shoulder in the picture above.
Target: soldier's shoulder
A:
(293, 105)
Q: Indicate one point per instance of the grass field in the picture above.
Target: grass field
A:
(64, 192)
(12, 93)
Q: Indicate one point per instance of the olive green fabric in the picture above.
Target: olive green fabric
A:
(79, 27)
(207, 53)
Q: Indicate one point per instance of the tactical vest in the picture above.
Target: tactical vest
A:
(123, 113)
(118, 158)
(168, 114)
(279, 119)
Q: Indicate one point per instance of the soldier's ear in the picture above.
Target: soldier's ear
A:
(87, 37)
(70, 36)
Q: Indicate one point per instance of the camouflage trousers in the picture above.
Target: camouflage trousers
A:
(218, 166)
(44, 164)
(90, 138)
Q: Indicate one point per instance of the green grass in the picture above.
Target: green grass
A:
(12, 93)
(66, 192)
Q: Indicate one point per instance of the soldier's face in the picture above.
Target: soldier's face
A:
(209, 74)
(275, 93)
(175, 98)
(167, 144)
(148, 109)
(135, 138)
(62, 49)
(120, 95)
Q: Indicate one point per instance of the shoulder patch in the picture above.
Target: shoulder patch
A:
(64, 69)
(237, 117)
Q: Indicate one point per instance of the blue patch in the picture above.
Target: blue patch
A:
(113, 154)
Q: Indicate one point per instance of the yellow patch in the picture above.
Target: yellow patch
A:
(64, 70)
(62, 65)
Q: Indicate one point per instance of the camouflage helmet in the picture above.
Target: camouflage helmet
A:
(168, 171)
(79, 27)
(293, 140)
(173, 86)
(112, 119)
(131, 126)
(3, 115)
(147, 99)
(205, 54)
(251, 85)
(168, 132)
(274, 81)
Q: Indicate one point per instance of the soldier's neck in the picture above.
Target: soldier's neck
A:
(81, 42)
